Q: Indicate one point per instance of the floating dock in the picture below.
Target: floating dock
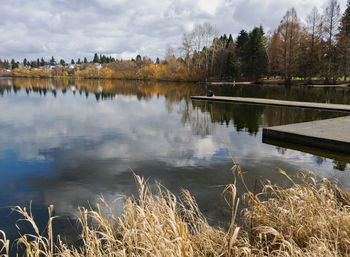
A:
(247, 100)
(330, 134)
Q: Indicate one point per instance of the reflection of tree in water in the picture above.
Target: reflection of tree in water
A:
(281, 150)
(243, 116)
(275, 116)
(339, 165)
(282, 92)
(320, 160)
(108, 89)
(199, 121)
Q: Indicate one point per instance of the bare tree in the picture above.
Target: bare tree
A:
(274, 65)
(209, 33)
(331, 22)
(197, 45)
(187, 49)
(314, 30)
(289, 31)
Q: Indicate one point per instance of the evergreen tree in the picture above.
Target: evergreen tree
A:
(231, 65)
(14, 64)
(256, 55)
(78, 62)
(34, 64)
(224, 38)
(96, 59)
(242, 39)
(157, 61)
(25, 61)
(52, 61)
(62, 62)
(230, 43)
(72, 61)
(103, 59)
(138, 60)
(241, 53)
(85, 60)
(42, 62)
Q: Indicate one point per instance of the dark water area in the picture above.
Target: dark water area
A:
(68, 142)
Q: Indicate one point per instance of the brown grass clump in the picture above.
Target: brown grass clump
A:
(311, 218)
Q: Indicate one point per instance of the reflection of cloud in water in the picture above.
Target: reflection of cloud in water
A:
(92, 146)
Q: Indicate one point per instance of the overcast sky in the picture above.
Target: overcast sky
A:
(124, 28)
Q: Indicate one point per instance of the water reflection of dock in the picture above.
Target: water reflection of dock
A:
(263, 101)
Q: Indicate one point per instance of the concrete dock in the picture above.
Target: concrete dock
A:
(321, 106)
(330, 134)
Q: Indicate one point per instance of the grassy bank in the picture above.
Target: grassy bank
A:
(311, 218)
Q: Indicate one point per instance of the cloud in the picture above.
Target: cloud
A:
(70, 148)
(75, 29)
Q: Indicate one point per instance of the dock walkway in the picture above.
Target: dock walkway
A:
(323, 106)
(330, 134)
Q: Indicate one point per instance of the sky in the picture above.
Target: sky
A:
(69, 29)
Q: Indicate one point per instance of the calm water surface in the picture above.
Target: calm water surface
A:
(66, 143)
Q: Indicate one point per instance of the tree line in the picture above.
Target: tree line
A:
(315, 49)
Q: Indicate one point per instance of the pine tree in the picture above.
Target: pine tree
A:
(96, 59)
(103, 59)
(230, 43)
(241, 53)
(78, 62)
(138, 60)
(25, 61)
(52, 61)
(72, 61)
(256, 55)
(231, 65)
(85, 60)
(14, 64)
(42, 62)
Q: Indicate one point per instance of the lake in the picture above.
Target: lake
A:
(66, 143)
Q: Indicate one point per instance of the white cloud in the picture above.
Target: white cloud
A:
(72, 29)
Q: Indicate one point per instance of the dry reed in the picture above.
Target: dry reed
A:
(311, 218)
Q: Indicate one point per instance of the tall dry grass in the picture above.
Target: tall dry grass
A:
(311, 218)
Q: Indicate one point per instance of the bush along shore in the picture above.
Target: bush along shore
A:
(310, 218)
